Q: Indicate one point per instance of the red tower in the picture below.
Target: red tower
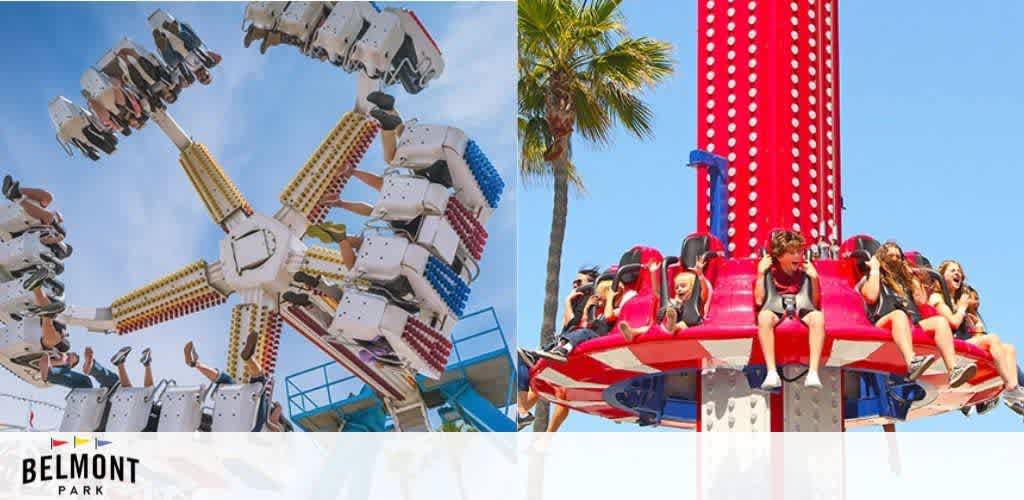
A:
(768, 101)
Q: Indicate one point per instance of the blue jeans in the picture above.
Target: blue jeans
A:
(69, 378)
(105, 377)
(523, 376)
(579, 336)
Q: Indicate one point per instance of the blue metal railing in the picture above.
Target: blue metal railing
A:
(305, 400)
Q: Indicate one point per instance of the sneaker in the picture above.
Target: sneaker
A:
(118, 358)
(812, 380)
(558, 354)
(250, 346)
(54, 285)
(918, 365)
(10, 188)
(966, 410)
(1016, 394)
(523, 422)
(299, 299)
(307, 279)
(627, 331)
(961, 374)
(191, 356)
(147, 357)
(37, 278)
(49, 310)
(381, 100)
(387, 121)
(529, 358)
(250, 36)
(987, 406)
(1015, 406)
(771, 381)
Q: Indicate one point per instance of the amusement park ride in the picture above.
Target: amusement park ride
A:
(387, 320)
(768, 132)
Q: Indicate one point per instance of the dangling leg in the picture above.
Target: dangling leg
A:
(815, 322)
(390, 122)
(373, 180)
(766, 321)
(557, 417)
(348, 248)
(118, 360)
(147, 362)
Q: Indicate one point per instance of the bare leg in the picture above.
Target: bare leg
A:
(899, 324)
(358, 208)
(525, 401)
(939, 327)
(122, 376)
(557, 417)
(40, 196)
(766, 321)
(45, 216)
(1010, 358)
(348, 248)
(210, 373)
(148, 377)
(815, 322)
(373, 180)
(253, 368)
(388, 142)
(1003, 354)
(51, 337)
(44, 366)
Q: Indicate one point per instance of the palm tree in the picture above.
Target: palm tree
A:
(579, 71)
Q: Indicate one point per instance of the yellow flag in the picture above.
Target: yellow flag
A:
(81, 441)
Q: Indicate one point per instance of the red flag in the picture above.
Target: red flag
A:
(56, 442)
(31, 419)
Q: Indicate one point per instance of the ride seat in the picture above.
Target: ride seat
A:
(634, 274)
(475, 180)
(25, 251)
(131, 407)
(406, 197)
(14, 219)
(390, 260)
(236, 407)
(181, 409)
(298, 21)
(85, 410)
(379, 45)
(260, 15)
(366, 316)
(345, 25)
(20, 349)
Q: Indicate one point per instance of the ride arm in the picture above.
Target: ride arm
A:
(190, 289)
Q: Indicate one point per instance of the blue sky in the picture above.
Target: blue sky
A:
(931, 117)
(134, 217)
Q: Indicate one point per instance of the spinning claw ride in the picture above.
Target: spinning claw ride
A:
(768, 129)
(385, 319)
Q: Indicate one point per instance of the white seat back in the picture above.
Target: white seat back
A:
(14, 298)
(235, 407)
(429, 63)
(83, 410)
(299, 19)
(23, 252)
(181, 409)
(14, 219)
(437, 234)
(380, 43)
(404, 197)
(363, 315)
(380, 257)
(340, 31)
(263, 15)
(129, 409)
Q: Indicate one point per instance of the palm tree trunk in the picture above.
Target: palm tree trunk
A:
(559, 212)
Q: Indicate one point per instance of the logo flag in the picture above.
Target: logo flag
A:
(100, 443)
(56, 442)
(80, 441)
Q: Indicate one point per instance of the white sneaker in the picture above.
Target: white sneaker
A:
(772, 381)
(812, 380)
(1016, 394)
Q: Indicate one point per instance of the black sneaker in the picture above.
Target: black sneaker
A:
(523, 422)
(39, 276)
(1017, 407)
(987, 406)
(918, 365)
(10, 188)
(118, 358)
(299, 299)
(382, 100)
(558, 354)
(54, 285)
(49, 310)
(307, 279)
(56, 265)
(387, 121)
(147, 357)
(528, 357)
(966, 410)
(250, 346)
